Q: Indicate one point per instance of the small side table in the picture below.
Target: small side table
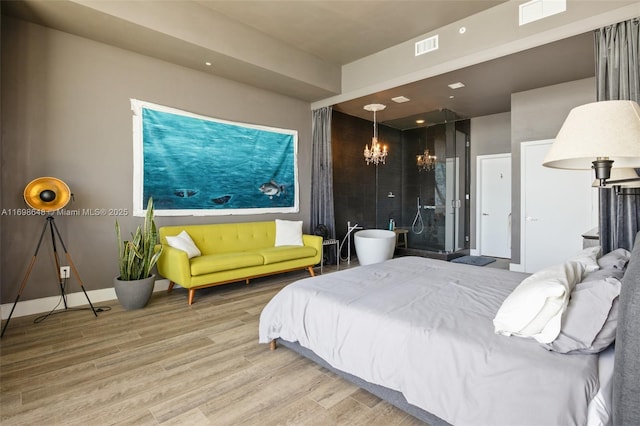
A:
(326, 243)
(401, 233)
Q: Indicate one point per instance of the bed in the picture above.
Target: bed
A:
(421, 334)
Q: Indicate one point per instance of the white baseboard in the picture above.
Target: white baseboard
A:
(516, 267)
(474, 252)
(46, 304)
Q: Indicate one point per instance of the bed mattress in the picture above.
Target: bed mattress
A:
(423, 327)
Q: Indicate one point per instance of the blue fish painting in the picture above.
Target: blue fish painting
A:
(203, 166)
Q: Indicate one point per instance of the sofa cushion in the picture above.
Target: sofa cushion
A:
(223, 262)
(183, 242)
(288, 233)
(284, 253)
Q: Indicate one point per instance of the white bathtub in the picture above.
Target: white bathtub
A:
(374, 245)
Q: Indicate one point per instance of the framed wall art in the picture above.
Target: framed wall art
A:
(194, 165)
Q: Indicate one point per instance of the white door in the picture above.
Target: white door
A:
(494, 205)
(558, 206)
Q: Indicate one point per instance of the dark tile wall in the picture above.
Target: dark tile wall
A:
(354, 182)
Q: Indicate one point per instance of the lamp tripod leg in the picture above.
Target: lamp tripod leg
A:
(75, 273)
(52, 226)
(73, 266)
(56, 258)
(23, 284)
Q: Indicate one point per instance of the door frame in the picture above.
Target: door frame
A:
(479, 167)
(593, 213)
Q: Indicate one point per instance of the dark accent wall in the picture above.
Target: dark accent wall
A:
(355, 189)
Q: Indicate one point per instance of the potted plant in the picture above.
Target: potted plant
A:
(136, 258)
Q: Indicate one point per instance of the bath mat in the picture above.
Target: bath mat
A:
(473, 260)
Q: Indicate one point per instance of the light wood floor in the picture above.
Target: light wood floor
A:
(173, 364)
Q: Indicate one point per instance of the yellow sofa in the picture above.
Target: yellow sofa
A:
(232, 252)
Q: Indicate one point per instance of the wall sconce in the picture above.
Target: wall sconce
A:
(623, 181)
(426, 162)
(598, 135)
(627, 178)
(377, 154)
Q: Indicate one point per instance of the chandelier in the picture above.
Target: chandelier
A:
(377, 154)
(425, 161)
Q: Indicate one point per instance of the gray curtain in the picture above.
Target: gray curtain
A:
(322, 172)
(617, 49)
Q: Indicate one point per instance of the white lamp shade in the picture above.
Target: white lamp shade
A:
(606, 129)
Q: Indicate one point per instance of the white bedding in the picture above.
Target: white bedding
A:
(424, 327)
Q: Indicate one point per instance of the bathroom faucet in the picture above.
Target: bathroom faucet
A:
(347, 238)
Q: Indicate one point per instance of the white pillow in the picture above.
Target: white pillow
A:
(535, 307)
(288, 233)
(589, 258)
(183, 242)
(590, 321)
(617, 259)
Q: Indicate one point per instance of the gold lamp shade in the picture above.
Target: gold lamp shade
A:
(47, 194)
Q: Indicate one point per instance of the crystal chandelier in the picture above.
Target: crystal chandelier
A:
(377, 154)
(425, 161)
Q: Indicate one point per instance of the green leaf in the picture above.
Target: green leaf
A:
(138, 256)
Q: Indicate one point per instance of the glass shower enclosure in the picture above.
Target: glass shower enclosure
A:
(435, 196)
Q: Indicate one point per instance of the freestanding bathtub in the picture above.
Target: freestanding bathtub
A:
(374, 245)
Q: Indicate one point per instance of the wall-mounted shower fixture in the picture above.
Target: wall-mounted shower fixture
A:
(418, 225)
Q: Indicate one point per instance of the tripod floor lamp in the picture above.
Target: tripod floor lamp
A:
(48, 194)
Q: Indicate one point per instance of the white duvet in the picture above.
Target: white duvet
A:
(424, 327)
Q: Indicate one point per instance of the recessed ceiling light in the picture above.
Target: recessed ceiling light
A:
(451, 97)
(208, 64)
(420, 121)
(400, 99)
(462, 30)
(456, 85)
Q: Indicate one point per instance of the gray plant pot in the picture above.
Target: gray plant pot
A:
(134, 294)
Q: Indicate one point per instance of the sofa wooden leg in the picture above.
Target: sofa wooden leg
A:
(192, 293)
(247, 281)
(170, 287)
(310, 268)
(272, 345)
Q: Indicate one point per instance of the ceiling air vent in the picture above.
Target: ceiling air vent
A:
(538, 9)
(427, 45)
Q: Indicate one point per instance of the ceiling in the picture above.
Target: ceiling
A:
(334, 32)
(488, 85)
(361, 28)
(342, 31)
